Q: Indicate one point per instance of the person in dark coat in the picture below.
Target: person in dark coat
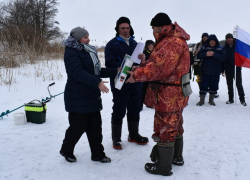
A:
(82, 95)
(148, 48)
(213, 56)
(229, 70)
(129, 97)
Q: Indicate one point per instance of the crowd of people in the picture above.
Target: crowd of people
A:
(159, 82)
(212, 60)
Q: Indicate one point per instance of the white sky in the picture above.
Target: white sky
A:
(196, 16)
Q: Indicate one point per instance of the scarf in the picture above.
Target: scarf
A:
(92, 51)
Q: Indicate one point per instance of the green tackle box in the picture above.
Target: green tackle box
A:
(36, 112)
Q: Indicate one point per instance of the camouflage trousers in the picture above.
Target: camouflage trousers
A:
(168, 126)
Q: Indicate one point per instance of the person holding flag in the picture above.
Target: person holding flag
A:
(229, 71)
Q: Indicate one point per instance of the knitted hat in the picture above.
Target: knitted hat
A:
(160, 19)
(204, 34)
(123, 20)
(229, 35)
(78, 33)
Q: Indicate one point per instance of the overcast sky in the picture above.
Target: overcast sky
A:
(196, 16)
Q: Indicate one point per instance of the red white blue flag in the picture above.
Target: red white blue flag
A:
(242, 50)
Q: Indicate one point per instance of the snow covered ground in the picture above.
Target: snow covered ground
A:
(216, 138)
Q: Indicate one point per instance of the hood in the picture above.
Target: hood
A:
(148, 42)
(213, 37)
(172, 30)
(72, 43)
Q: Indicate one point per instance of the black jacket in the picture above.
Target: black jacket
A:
(82, 94)
(229, 64)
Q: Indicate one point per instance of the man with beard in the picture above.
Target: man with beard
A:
(165, 68)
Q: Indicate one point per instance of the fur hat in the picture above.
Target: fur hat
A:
(123, 20)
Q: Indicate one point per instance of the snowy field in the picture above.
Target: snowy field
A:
(216, 139)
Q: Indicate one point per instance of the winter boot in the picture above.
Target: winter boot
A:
(202, 100)
(116, 136)
(178, 148)
(163, 161)
(105, 159)
(242, 101)
(134, 136)
(69, 156)
(230, 101)
(211, 99)
(216, 95)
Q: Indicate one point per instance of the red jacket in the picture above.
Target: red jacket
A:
(169, 60)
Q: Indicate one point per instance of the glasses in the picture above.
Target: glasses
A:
(125, 28)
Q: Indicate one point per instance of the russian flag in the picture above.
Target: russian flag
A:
(242, 50)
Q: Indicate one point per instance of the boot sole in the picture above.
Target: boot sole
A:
(167, 174)
(129, 140)
(117, 147)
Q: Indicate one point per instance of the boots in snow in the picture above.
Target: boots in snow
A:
(202, 100)
(104, 159)
(211, 99)
(116, 136)
(163, 161)
(68, 156)
(134, 136)
(178, 148)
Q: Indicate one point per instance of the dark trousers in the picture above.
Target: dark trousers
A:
(128, 99)
(144, 91)
(91, 124)
(230, 80)
(209, 83)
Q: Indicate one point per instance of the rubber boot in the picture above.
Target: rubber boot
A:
(178, 148)
(202, 100)
(116, 136)
(211, 99)
(134, 136)
(163, 166)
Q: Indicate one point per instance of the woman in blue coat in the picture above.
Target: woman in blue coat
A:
(212, 55)
(82, 95)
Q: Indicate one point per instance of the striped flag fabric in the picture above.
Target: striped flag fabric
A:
(242, 50)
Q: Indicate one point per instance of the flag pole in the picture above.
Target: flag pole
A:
(235, 99)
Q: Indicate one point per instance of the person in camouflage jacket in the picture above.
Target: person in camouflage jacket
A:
(168, 62)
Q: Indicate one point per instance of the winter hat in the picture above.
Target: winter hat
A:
(78, 33)
(123, 20)
(160, 19)
(148, 42)
(204, 34)
(229, 35)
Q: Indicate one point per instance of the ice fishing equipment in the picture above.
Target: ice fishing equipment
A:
(47, 99)
(36, 112)
(19, 118)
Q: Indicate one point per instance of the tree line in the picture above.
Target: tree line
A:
(29, 24)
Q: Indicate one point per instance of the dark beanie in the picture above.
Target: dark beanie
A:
(204, 34)
(229, 35)
(123, 20)
(160, 19)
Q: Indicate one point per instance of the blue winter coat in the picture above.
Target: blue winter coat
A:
(82, 94)
(115, 51)
(212, 65)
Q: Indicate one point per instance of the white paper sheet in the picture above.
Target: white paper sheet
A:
(138, 50)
